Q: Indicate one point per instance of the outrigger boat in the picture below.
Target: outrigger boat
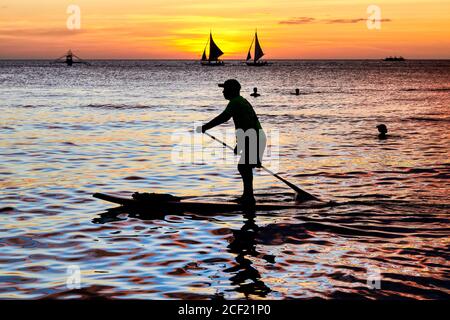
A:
(69, 59)
(166, 203)
(214, 54)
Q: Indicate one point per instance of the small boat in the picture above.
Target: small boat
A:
(394, 59)
(258, 54)
(214, 54)
(155, 203)
(70, 58)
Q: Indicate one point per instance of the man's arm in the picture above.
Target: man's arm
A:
(221, 118)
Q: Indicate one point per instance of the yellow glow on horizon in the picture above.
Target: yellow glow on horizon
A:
(154, 29)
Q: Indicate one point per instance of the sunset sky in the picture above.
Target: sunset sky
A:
(153, 29)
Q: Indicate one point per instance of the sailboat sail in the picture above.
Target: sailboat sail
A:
(204, 58)
(258, 51)
(249, 54)
(214, 51)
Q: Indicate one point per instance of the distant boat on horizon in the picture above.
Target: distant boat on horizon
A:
(258, 54)
(214, 54)
(70, 58)
(394, 59)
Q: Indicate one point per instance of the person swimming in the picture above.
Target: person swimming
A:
(255, 93)
(382, 129)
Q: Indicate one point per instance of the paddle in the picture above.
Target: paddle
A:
(300, 195)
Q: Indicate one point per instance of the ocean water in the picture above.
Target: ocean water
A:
(68, 132)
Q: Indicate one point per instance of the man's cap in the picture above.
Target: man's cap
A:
(231, 84)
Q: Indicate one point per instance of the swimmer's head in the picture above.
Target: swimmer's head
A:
(382, 128)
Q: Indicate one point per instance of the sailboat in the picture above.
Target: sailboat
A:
(214, 54)
(258, 54)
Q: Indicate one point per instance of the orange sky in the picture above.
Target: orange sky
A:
(152, 29)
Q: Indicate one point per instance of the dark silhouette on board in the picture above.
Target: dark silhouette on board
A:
(297, 92)
(255, 93)
(250, 137)
(382, 129)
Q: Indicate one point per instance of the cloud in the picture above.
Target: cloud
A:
(307, 20)
(39, 32)
(298, 20)
(339, 21)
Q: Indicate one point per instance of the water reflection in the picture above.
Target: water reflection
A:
(110, 215)
(246, 278)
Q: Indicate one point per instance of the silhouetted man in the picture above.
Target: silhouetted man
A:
(255, 93)
(382, 129)
(250, 137)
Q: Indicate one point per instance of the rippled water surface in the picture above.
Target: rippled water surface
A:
(66, 133)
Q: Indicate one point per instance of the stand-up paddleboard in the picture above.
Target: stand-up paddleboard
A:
(171, 204)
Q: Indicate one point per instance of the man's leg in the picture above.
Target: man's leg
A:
(246, 172)
(250, 158)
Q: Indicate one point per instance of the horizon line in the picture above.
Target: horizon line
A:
(188, 59)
